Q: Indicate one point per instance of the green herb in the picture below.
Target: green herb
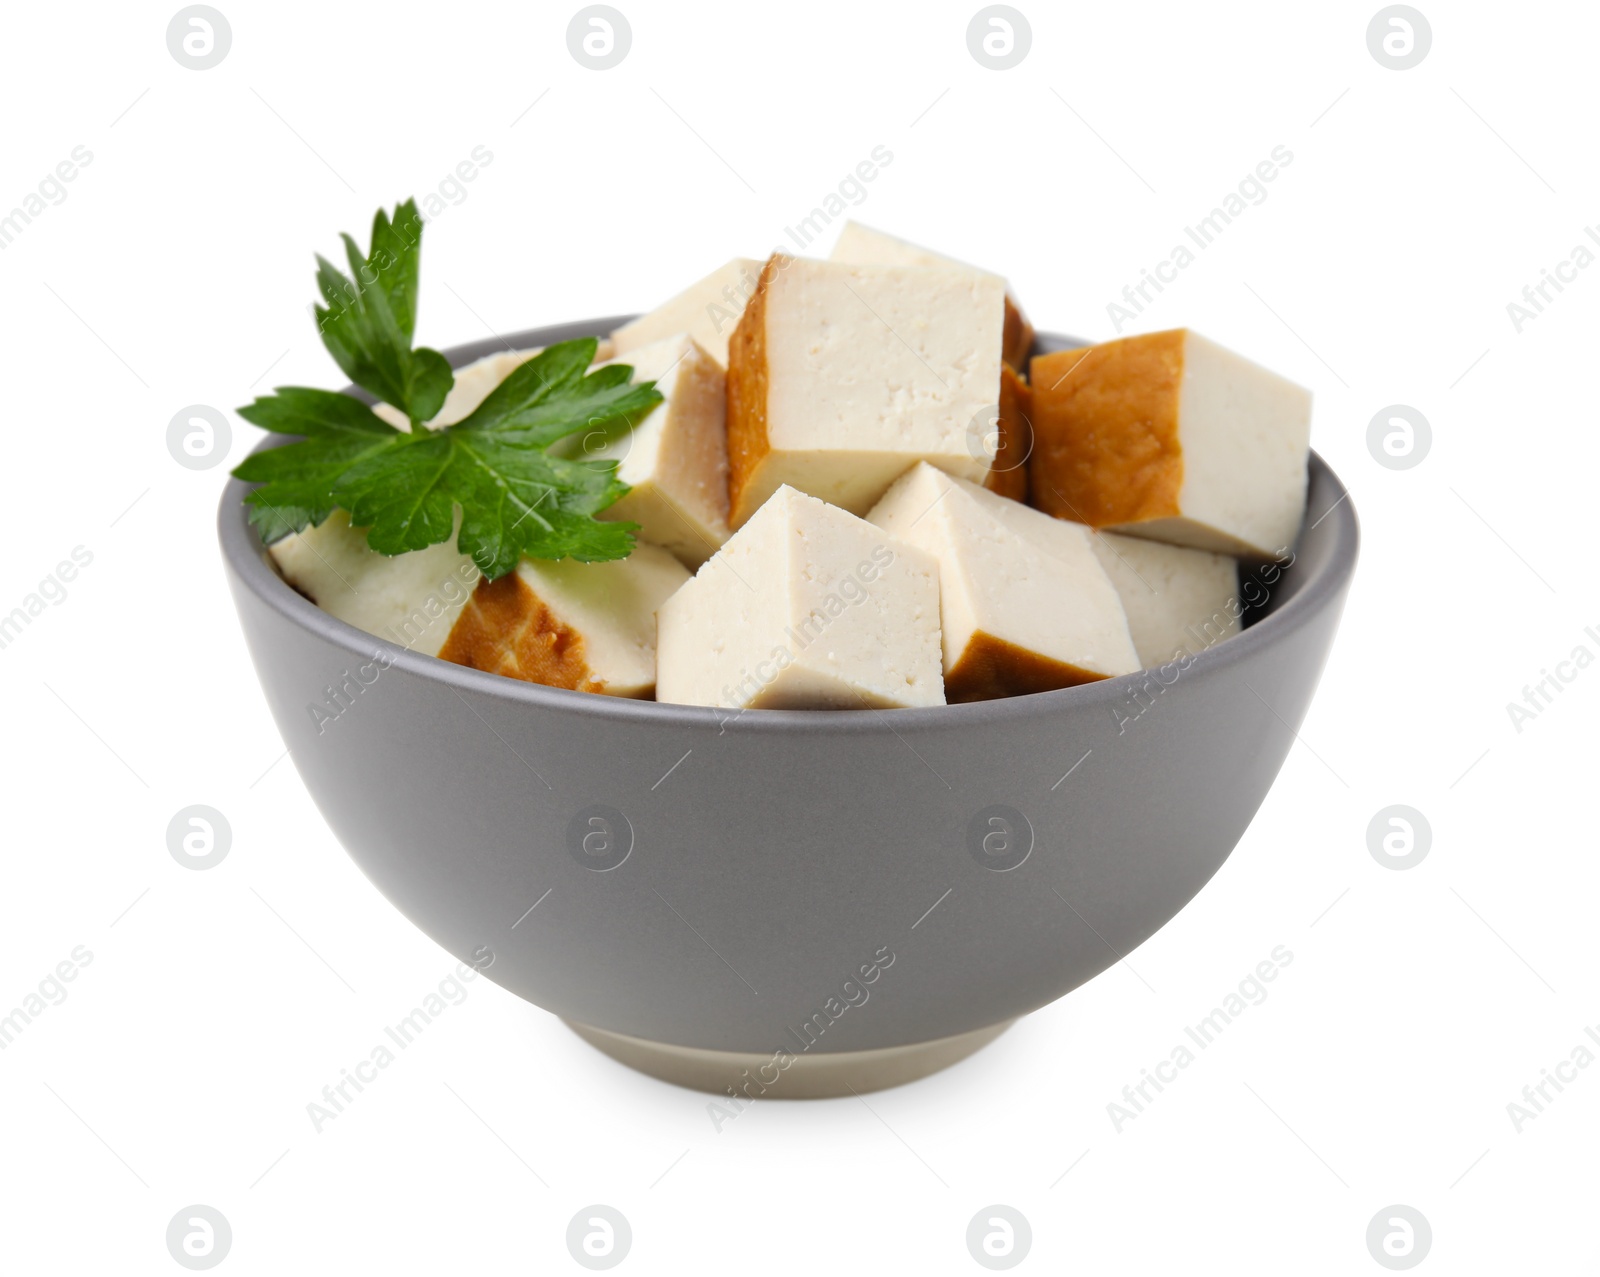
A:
(515, 498)
(372, 313)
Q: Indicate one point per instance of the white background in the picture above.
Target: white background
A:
(219, 1003)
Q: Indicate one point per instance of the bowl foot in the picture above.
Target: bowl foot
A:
(799, 1076)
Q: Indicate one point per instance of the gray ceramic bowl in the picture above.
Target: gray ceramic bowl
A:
(803, 901)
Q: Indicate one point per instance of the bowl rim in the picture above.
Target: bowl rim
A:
(246, 557)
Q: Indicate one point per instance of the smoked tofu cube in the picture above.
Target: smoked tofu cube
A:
(860, 245)
(840, 378)
(1013, 438)
(1171, 437)
(411, 600)
(805, 607)
(708, 311)
(1179, 601)
(675, 459)
(586, 626)
(590, 627)
(1024, 604)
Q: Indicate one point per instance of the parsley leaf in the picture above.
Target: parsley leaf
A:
(518, 491)
(516, 497)
(298, 479)
(371, 316)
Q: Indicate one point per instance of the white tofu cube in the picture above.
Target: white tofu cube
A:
(1024, 605)
(676, 459)
(1171, 437)
(590, 627)
(840, 378)
(805, 607)
(1179, 601)
(860, 245)
(708, 311)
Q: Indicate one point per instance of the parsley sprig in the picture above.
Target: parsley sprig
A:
(404, 486)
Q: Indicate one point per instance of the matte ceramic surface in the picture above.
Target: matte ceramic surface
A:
(693, 877)
(792, 1074)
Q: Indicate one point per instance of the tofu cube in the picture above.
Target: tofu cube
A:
(840, 378)
(1179, 601)
(707, 310)
(1171, 437)
(1013, 438)
(805, 607)
(1024, 605)
(860, 245)
(586, 626)
(409, 599)
(412, 599)
(675, 459)
(590, 627)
